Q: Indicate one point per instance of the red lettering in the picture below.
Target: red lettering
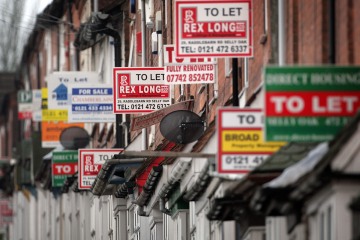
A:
(311, 103)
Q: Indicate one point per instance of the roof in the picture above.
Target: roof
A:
(293, 173)
(309, 175)
(285, 157)
(243, 191)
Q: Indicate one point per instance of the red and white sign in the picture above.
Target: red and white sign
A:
(187, 70)
(6, 212)
(140, 90)
(65, 168)
(313, 103)
(211, 28)
(90, 163)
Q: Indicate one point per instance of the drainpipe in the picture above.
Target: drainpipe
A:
(235, 82)
(96, 5)
(58, 48)
(69, 28)
(143, 63)
(120, 135)
(281, 24)
(331, 9)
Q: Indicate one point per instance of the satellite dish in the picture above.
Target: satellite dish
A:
(182, 127)
(73, 138)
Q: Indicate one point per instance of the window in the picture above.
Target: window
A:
(117, 227)
(329, 223)
(153, 233)
(136, 219)
(326, 224)
(130, 221)
(322, 227)
(165, 227)
(355, 224)
(135, 224)
(228, 67)
(192, 216)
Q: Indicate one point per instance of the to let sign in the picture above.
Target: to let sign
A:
(58, 84)
(240, 138)
(214, 28)
(309, 103)
(91, 161)
(64, 164)
(140, 90)
(187, 70)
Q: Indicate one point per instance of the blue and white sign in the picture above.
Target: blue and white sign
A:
(58, 84)
(91, 103)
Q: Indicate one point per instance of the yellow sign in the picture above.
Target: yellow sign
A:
(250, 141)
(54, 115)
(51, 114)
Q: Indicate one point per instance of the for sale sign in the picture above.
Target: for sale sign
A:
(91, 103)
(140, 90)
(214, 28)
(64, 164)
(240, 138)
(91, 161)
(309, 103)
(187, 70)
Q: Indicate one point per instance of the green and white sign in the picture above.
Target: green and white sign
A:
(29, 104)
(64, 164)
(309, 103)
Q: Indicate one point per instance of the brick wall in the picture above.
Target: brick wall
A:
(262, 49)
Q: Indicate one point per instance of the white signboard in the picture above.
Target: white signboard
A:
(214, 28)
(91, 103)
(187, 70)
(58, 84)
(90, 163)
(241, 142)
(140, 90)
(29, 104)
(37, 98)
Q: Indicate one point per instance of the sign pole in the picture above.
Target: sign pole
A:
(235, 82)
(120, 135)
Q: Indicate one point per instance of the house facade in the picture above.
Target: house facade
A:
(171, 190)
